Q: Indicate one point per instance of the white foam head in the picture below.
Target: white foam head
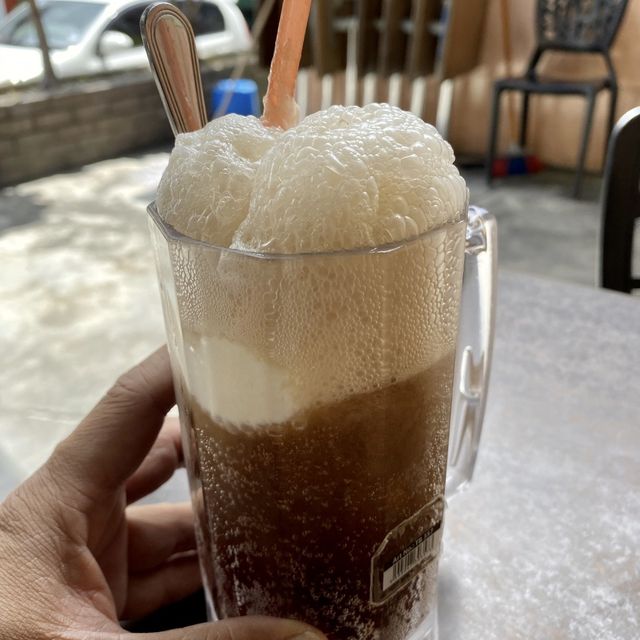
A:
(289, 335)
(351, 177)
(343, 178)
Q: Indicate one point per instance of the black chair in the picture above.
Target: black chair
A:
(621, 204)
(579, 26)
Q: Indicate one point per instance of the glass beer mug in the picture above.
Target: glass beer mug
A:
(316, 392)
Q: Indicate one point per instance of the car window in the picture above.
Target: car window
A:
(65, 24)
(128, 22)
(205, 17)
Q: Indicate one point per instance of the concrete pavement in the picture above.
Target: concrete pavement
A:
(79, 298)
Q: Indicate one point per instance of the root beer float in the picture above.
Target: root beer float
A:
(312, 315)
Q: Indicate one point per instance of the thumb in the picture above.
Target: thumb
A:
(249, 628)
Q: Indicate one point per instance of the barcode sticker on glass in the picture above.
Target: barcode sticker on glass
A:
(418, 551)
(406, 550)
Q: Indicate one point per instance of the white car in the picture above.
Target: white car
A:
(88, 37)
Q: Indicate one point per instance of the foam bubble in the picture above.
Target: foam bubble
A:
(205, 191)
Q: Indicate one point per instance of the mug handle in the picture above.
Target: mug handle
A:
(475, 346)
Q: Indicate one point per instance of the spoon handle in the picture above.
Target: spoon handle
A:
(169, 41)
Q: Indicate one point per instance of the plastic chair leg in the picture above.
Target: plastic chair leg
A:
(577, 187)
(613, 102)
(524, 119)
(493, 135)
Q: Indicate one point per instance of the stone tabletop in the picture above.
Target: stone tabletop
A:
(545, 543)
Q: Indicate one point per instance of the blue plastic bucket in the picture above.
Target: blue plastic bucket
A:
(243, 100)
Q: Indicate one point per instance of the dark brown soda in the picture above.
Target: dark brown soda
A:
(292, 514)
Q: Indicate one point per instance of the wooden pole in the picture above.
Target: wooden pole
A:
(49, 78)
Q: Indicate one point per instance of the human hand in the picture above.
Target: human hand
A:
(75, 558)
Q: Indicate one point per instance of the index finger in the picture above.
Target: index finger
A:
(159, 465)
(114, 438)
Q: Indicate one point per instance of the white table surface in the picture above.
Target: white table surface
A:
(545, 542)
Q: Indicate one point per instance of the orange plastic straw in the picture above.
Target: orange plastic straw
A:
(279, 104)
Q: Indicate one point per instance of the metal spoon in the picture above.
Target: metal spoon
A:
(170, 45)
